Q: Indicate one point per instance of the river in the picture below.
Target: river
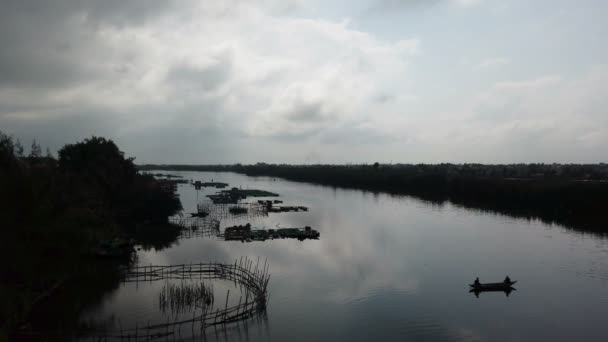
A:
(389, 268)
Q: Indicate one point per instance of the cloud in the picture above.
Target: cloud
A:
(536, 83)
(392, 5)
(186, 65)
(309, 112)
(239, 80)
(402, 4)
(207, 78)
(492, 63)
(548, 118)
(61, 42)
(466, 3)
(351, 133)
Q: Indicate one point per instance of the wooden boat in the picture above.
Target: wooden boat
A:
(502, 286)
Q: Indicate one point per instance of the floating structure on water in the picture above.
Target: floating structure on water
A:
(272, 208)
(251, 192)
(201, 214)
(245, 233)
(166, 175)
(210, 228)
(232, 211)
(199, 227)
(223, 199)
(284, 209)
(219, 185)
(234, 195)
(237, 210)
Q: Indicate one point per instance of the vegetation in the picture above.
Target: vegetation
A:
(185, 297)
(571, 194)
(55, 211)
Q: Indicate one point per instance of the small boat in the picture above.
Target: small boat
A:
(502, 286)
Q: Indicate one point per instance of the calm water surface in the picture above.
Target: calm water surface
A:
(391, 269)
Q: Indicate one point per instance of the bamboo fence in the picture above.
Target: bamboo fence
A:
(252, 279)
(197, 226)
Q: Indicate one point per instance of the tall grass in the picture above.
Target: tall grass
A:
(185, 297)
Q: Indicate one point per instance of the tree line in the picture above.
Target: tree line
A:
(569, 194)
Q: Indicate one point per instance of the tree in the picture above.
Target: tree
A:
(6, 144)
(98, 156)
(7, 152)
(97, 175)
(36, 151)
(48, 153)
(95, 170)
(18, 149)
(14, 187)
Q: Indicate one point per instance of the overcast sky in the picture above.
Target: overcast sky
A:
(309, 81)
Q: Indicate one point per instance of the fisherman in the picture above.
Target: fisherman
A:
(507, 280)
(476, 282)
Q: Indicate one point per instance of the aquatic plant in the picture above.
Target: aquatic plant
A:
(185, 297)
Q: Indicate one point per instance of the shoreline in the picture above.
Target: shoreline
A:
(567, 201)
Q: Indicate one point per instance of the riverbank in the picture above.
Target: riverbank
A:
(569, 195)
(60, 216)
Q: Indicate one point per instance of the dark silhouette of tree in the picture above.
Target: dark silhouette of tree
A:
(18, 149)
(13, 190)
(98, 175)
(7, 147)
(97, 161)
(36, 151)
(92, 184)
(54, 212)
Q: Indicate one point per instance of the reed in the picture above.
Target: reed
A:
(250, 277)
(183, 297)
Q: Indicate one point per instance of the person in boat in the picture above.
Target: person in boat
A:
(507, 280)
(476, 282)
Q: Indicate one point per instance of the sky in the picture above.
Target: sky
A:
(295, 81)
